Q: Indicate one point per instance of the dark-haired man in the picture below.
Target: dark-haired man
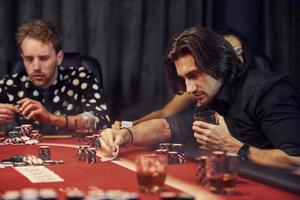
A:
(46, 95)
(258, 112)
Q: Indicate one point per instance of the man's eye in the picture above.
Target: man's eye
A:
(44, 58)
(28, 59)
(193, 75)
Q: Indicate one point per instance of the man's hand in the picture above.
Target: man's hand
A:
(7, 112)
(111, 138)
(34, 110)
(116, 125)
(215, 137)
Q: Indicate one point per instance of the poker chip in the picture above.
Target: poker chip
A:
(7, 163)
(201, 171)
(22, 135)
(59, 162)
(174, 152)
(13, 134)
(185, 196)
(47, 193)
(168, 195)
(19, 164)
(26, 129)
(11, 194)
(49, 162)
(37, 161)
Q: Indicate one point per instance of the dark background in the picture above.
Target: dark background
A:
(129, 38)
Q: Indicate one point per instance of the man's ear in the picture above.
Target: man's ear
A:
(59, 57)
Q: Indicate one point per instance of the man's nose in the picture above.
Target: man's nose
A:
(36, 65)
(190, 86)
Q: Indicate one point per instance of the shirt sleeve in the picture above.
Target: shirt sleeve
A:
(181, 125)
(3, 92)
(277, 110)
(92, 98)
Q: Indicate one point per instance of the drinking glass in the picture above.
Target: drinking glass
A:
(208, 116)
(151, 172)
(86, 125)
(221, 172)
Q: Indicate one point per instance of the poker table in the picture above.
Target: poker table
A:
(119, 174)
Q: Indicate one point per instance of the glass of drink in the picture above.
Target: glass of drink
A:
(86, 125)
(151, 172)
(221, 171)
(208, 116)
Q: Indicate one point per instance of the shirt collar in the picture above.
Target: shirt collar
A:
(227, 93)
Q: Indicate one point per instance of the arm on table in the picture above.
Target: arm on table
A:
(177, 104)
(145, 133)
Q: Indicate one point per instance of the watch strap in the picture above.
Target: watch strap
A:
(244, 152)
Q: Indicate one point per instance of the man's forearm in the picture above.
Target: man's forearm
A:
(151, 132)
(273, 158)
(65, 122)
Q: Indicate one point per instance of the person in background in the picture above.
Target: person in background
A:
(45, 94)
(258, 111)
(179, 102)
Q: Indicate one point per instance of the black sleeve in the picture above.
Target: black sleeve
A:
(3, 92)
(278, 112)
(181, 125)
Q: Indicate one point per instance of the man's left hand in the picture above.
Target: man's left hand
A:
(215, 137)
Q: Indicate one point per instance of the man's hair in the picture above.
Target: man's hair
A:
(212, 53)
(40, 30)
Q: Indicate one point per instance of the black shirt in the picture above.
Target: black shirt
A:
(260, 108)
(76, 90)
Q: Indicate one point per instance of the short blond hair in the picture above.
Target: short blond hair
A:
(40, 30)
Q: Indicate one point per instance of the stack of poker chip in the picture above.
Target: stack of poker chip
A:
(86, 154)
(111, 195)
(93, 140)
(91, 155)
(201, 171)
(26, 129)
(44, 153)
(23, 135)
(29, 193)
(81, 153)
(32, 160)
(13, 134)
(47, 194)
(35, 135)
(174, 152)
(180, 150)
(175, 195)
(17, 128)
(74, 194)
(11, 195)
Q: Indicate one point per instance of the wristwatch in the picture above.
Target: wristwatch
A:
(244, 152)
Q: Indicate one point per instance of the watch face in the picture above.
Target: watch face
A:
(243, 152)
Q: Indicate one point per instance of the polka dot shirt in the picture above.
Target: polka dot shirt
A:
(76, 90)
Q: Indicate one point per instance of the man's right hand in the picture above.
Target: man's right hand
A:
(111, 138)
(7, 112)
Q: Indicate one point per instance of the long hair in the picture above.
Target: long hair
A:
(213, 55)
